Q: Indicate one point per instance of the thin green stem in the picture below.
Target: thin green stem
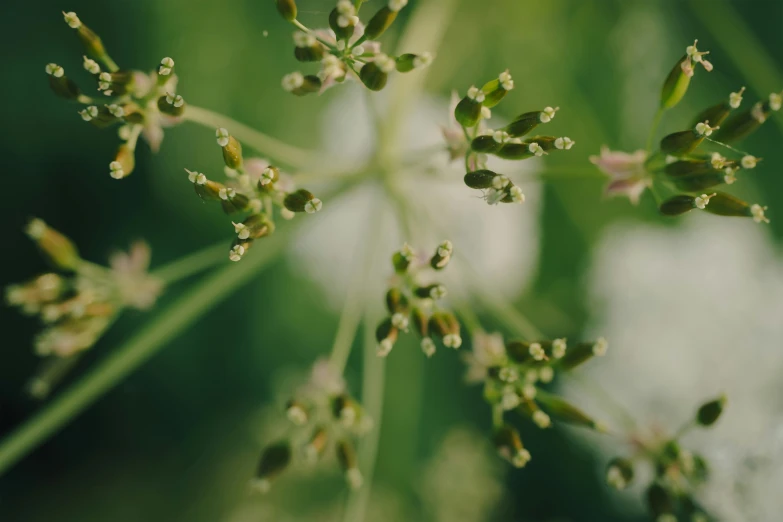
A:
(282, 152)
(128, 357)
(727, 146)
(192, 263)
(299, 25)
(654, 129)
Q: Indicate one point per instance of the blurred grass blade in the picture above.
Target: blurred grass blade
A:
(125, 359)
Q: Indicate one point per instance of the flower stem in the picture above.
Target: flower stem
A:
(191, 264)
(126, 358)
(287, 154)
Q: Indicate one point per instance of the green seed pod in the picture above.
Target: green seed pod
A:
(173, 105)
(345, 409)
(659, 500)
(373, 77)
(485, 144)
(445, 326)
(408, 62)
(688, 167)
(396, 301)
(302, 201)
(718, 113)
(379, 23)
(442, 256)
(54, 245)
(677, 205)
(401, 262)
(274, 459)
(254, 226)
(64, 87)
(676, 85)
(709, 412)
(524, 123)
(519, 151)
(580, 353)
(519, 351)
(742, 125)
(313, 53)
(468, 110)
(699, 182)
(509, 446)
(681, 143)
(342, 32)
(566, 412)
(481, 179)
(723, 204)
(346, 456)
(420, 322)
(232, 152)
(386, 334)
(495, 90)
(317, 443)
(287, 9)
(91, 41)
(433, 291)
(619, 473)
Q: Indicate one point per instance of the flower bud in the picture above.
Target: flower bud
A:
(718, 113)
(520, 151)
(676, 84)
(298, 84)
(709, 412)
(302, 201)
(274, 460)
(124, 162)
(497, 89)
(468, 110)
(375, 74)
(684, 142)
(408, 62)
(432, 291)
(524, 123)
(485, 144)
(700, 182)
(254, 226)
(386, 335)
(582, 352)
(346, 456)
(446, 326)
(232, 201)
(509, 446)
(723, 204)
(269, 177)
(232, 149)
(566, 412)
(659, 500)
(677, 205)
(420, 322)
(378, 24)
(483, 179)
(396, 301)
(171, 104)
(60, 84)
(307, 48)
(619, 473)
(743, 124)
(343, 23)
(58, 248)
(296, 412)
(92, 43)
(519, 351)
(345, 409)
(286, 8)
(317, 444)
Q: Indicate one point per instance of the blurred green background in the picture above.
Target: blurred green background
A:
(180, 437)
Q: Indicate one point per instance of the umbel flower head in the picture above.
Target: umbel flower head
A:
(513, 373)
(348, 49)
(323, 418)
(691, 163)
(79, 300)
(414, 300)
(508, 142)
(254, 188)
(138, 103)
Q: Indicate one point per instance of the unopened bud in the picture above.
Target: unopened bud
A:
(346, 456)
(301, 85)
(287, 8)
(302, 201)
(124, 162)
(619, 473)
(58, 248)
(566, 412)
(386, 335)
(676, 84)
(274, 460)
(60, 84)
(468, 110)
(375, 74)
(509, 446)
(232, 149)
(380, 22)
(709, 412)
(396, 301)
(497, 89)
(408, 62)
(296, 412)
(446, 326)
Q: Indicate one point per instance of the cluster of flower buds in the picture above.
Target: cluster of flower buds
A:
(677, 471)
(508, 142)
(137, 102)
(692, 162)
(513, 372)
(413, 300)
(254, 188)
(347, 49)
(79, 300)
(324, 419)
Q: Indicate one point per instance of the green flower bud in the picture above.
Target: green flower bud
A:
(232, 201)
(442, 256)
(400, 262)
(124, 162)
(420, 322)
(274, 460)
(486, 144)
(520, 151)
(484, 179)
(519, 351)
(345, 409)
(254, 226)
(297, 412)
(718, 113)
(60, 84)
(509, 446)
(619, 473)
(446, 326)
(302, 201)
(173, 105)
(684, 142)
(433, 291)
(54, 245)
(723, 204)
(232, 149)
(677, 205)
(497, 89)
(346, 456)
(743, 124)
(582, 352)
(378, 24)
(386, 335)
(299, 85)
(563, 411)
(396, 301)
(343, 25)
(408, 62)
(375, 74)
(709, 412)
(287, 8)
(676, 84)
(468, 110)
(524, 123)
(659, 500)
(307, 48)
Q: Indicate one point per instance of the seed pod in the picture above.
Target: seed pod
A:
(519, 151)
(482, 179)
(723, 204)
(699, 182)
(408, 61)
(60, 84)
(497, 89)
(526, 122)
(742, 125)
(446, 326)
(619, 473)
(302, 201)
(689, 167)
(659, 500)
(345, 409)
(677, 205)
(173, 105)
(396, 301)
(684, 142)
(485, 144)
(317, 443)
(509, 446)
(582, 352)
(386, 335)
(274, 460)
(379, 23)
(519, 351)
(91, 41)
(442, 256)
(718, 113)
(124, 162)
(231, 201)
(307, 48)
(400, 262)
(373, 77)
(433, 291)
(343, 32)
(255, 226)
(676, 84)
(58, 248)
(709, 412)
(346, 456)
(566, 412)
(420, 322)
(232, 153)
(468, 110)
(301, 85)
(287, 8)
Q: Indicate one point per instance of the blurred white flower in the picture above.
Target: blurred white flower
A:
(695, 312)
(501, 243)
